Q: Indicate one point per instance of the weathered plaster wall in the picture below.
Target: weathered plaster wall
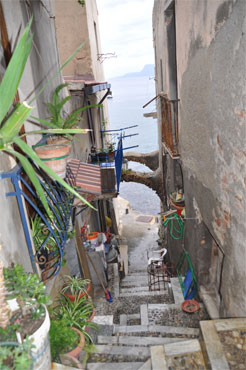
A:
(72, 30)
(210, 37)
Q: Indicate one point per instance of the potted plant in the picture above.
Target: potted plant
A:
(56, 151)
(65, 340)
(10, 124)
(26, 315)
(111, 150)
(74, 287)
(76, 314)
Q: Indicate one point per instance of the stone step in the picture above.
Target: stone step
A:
(168, 330)
(139, 289)
(116, 365)
(133, 283)
(146, 366)
(125, 318)
(144, 294)
(56, 366)
(158, 359)
(136, 341)
(126, 351)
(136, 278)
(185, 356)
(176, 290)
(213, 345)
(138, 272)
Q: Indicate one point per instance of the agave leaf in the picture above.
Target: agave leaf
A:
(63, 102)
(31, 154)
(55, 97)
(12, 125)
(59, 131)
(12, 76)
(28, 168)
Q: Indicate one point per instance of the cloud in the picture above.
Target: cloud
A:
(126, 29)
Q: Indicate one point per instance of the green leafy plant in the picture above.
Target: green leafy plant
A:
(16, 356)
(27, 289)
(74, 285)
(57, 119)
(10, 126)
(110, 147)
(75, 314)
(39, 234)
(62, 338)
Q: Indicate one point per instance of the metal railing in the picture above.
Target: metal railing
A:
(170, 132)
(45, 237)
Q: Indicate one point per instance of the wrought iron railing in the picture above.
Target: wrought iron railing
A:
(170, 132)
(45, 236)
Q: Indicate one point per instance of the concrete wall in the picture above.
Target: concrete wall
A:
(210, 46)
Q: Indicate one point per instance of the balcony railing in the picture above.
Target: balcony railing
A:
(45, 237)
(170, 132)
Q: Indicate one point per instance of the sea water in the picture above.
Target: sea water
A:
(126, 109)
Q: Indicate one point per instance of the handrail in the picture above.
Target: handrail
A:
(47, 255)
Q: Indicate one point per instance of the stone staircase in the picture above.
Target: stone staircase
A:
(140, 340)
(148, 331)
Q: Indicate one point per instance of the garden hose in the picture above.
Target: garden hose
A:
(172, 219)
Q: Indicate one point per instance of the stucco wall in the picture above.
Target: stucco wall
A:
(210, 37)
(72, 30)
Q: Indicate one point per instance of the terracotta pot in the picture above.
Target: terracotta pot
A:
(87, 328)
(92, 315)
(190, 306)
(55, 157)
(75, 352)
(73, 297)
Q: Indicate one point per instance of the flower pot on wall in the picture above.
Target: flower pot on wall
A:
(54, 156)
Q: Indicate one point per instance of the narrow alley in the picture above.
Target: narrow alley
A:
(143, 329)
(122, 185)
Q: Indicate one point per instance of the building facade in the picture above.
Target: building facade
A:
(200, 70)
(52, 45)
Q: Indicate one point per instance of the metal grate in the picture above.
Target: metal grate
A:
(46, 245)
(170, 134)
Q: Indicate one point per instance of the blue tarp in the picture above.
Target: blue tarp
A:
(119, 162)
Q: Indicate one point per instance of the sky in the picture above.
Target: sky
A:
(126, 29)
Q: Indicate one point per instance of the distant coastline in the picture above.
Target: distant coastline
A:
(148, 70)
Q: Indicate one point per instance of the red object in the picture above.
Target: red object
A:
(72, 297)
(108, 236)
(190, 306)
(82, 230)
(179, 211)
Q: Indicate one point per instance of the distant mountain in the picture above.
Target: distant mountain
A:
(148, 70)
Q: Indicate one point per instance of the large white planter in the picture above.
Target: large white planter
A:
(41, 352)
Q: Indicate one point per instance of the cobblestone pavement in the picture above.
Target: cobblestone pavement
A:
(176, 317)
(191, 361)
(234, 344)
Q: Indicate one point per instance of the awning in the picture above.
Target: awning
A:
(86, 176)
(92, 179)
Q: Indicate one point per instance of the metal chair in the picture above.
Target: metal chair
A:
(156, 269)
